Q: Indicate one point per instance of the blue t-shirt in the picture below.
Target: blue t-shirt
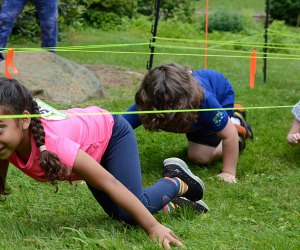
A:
(218, 93)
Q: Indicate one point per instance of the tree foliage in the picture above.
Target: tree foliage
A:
(182, 10)
(107, 14)
(103, 14)
(287, 10)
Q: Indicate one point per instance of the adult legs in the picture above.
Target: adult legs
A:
(10, 10)
(122, 160)
(48, 14)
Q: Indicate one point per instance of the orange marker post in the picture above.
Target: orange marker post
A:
(9, 62)
(252, 69)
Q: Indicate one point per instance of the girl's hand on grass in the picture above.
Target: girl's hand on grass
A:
(165, 236)
(293, 139)
(230, 178)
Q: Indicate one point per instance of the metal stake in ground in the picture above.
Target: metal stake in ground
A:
(153, 31)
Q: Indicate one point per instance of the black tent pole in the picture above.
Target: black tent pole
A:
(265, 49)
(153, 31)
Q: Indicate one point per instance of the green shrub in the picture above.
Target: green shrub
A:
(145, 8)
(182, 10)
(70, 13)
(107, 14)
(225, 20)
(104, 20)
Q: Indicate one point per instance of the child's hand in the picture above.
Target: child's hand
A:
(293, 139)
(230, 178)
(165, 236)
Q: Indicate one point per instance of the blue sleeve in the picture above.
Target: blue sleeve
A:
(219, 121)
(133, 119)
(215, 119)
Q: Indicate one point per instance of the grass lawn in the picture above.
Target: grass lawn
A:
(261, 211)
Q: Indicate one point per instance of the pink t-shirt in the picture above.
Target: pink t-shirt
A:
(82, 130)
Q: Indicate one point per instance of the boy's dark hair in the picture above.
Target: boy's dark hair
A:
(169, 87)
(15, 99)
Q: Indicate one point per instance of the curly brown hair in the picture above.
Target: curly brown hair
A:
(169, 87)
(15, 99)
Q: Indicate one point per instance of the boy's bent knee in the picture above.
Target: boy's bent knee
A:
(200, 159)
(202, 154)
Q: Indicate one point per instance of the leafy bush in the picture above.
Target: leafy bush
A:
(104, 20)
(145, 8)
(287, 10)
(225, 20)
(107, 14)
(70, 13)
(182, 10)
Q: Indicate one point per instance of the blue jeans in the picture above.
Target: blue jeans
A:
(48, 14)
(122, 160)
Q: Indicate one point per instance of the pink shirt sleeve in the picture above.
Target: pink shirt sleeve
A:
(65, 148)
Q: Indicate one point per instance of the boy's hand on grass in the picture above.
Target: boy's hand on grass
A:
(293, 139)
(230, 178)
(165, 236)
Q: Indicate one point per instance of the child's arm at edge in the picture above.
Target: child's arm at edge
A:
(293, 137)
(230, 150)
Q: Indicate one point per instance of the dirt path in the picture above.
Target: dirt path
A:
(114, 76)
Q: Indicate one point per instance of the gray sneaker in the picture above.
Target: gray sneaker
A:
(199, 206)
(175, 167)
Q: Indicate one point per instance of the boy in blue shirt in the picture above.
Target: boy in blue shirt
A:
(211, 134)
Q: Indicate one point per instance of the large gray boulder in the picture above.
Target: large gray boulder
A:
(55, 78)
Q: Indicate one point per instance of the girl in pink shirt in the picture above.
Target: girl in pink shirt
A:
(92, 145)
